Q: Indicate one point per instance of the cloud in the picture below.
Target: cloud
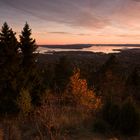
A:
(136, 0)
(75, 17)
(81, 34)
(129, 35)
(59, 33)
(68, 33)
(66, 12)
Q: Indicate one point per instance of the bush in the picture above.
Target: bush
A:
(12, 132)
(24, 102)
(129, 118)
(111, 113)
(80, 94)
(101, 126)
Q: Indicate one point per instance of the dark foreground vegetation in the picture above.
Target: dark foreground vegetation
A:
(66, 96)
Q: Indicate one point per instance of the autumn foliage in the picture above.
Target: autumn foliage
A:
(78, 92)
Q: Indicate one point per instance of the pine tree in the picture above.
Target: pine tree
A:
(109, 79)
(133, 84)
(5, 41)
(129, 118)
(63, 71)
(8, 52)
(9, 67)
(31, 79)
(28, 47)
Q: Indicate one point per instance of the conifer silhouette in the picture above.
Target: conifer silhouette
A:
(28, 47)
(9, 67)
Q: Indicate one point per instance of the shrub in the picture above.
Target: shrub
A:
(101, 126)
(79, 93)
(24, 102)
(129, 118)
(12, 131)
(111, 113)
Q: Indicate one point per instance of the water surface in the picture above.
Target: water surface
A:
(95, 49)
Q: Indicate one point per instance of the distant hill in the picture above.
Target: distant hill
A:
(81, 46)
(71, 46)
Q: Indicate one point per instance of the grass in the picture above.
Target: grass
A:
(54, 121)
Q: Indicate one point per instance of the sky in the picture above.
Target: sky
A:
(75, 21)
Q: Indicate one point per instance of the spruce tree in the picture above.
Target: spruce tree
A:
(31, 79)
(8, 53)
(28, 47)
(63, 71)
(133, 84)
(129, 118)
(9, 67)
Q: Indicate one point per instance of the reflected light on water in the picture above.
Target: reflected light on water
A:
(95, 49)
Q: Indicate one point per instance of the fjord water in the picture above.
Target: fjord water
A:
(95, 49)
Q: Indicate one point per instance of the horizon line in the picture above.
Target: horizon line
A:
(91, 44)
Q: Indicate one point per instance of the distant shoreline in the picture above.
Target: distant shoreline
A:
(81, 46)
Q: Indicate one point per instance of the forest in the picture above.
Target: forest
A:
(66, 95)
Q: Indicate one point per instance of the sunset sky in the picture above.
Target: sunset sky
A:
(75, 21)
